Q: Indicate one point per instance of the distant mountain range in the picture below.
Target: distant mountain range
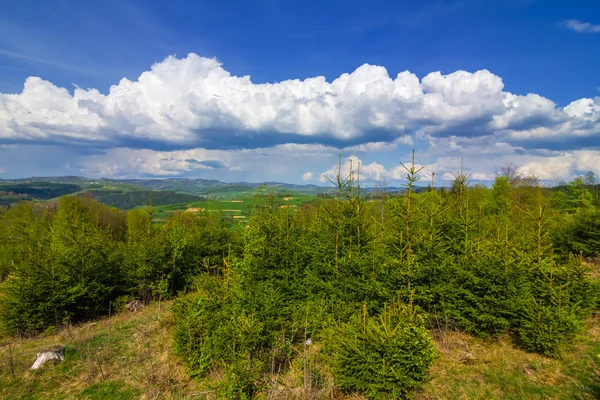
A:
(130, 193)
(185, 185)
(154, 183)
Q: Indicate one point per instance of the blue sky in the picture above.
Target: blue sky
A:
(517, 82)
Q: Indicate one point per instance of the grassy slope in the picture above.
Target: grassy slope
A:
(470, 368)
(124, 357)
(128, 357)
(105, 187)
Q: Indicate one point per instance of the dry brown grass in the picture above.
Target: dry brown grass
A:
(305, 378)
(131, 349)
(594, 268)
(472, 368)
(133, 352)
(194, 210)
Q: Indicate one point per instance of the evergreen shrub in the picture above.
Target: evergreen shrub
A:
(382, 357)
(548, 329)
(211, 333)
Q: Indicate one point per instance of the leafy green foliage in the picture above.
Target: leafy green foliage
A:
(501, 201)
(483, 296)
(69, 274)
(383, 357)
(472, 256)
(70, 263)
(580, 235)
(548, 329)
(210, 332)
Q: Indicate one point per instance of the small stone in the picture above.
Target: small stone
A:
(134, 306)
(468, 358)
(56, 353)
(526, 369)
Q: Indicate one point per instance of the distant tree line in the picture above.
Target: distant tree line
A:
(40, 190)
(137, 198)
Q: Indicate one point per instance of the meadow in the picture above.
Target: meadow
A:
(235, 208)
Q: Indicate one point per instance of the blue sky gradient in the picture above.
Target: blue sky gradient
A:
(547, 48)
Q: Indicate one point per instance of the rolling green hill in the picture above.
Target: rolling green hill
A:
(224, 190)
(238, 209)
(127, 200)
(130, 193)
(38, 190)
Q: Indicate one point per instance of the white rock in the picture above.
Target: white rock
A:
(54, 353)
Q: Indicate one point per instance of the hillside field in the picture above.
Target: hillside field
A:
(237, 208)
(128, 356)
(175, 194)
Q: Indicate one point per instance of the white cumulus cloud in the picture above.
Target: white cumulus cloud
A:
(563, 166)
(372, 171)
(307, 176)
(195, 102)
(580, 26)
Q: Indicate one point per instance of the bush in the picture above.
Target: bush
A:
(71, 274)
(240, 380)
(201, 320)
(549, 329)
(211, 333)
(384, 357)
(582, 235)
(483, 296)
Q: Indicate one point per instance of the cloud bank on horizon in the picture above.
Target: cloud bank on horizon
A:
(189, 115)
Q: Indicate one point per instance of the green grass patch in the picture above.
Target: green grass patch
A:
(109, 391)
